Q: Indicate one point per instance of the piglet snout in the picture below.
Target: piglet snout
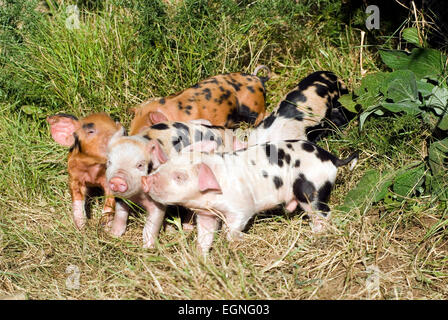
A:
(118, 184)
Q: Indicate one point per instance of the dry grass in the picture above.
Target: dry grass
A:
(384, 251)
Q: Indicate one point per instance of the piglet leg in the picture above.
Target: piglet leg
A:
(154, 220)
(78, 192)
(207, 225)
(108, 209)
(319, 220)
(235, 224)
(118, 225)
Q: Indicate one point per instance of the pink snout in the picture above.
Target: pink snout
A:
(118, 184)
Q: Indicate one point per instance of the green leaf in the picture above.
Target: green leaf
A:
(424, 88)
(438, 100)
(437, 155)
(443, 124)
(372, 188)
(400, 86)
(365, 114)
(411, 36)
(409, 107)
(425, 63)
(395, 59)
(347, 102)
(408, 181)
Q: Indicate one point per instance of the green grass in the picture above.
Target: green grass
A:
(125, 52)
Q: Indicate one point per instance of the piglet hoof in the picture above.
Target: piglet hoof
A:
(235, 236)
(149, 245)
(80, 223)
(106, 220)
(148, 242)
(318, 224)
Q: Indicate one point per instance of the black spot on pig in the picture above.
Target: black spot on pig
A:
(207, 94)
(303, 189)
(278, 182)
(308, 147)
(160, 126)
(323, 195)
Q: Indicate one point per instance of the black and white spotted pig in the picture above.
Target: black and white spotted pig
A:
(131, 157)
(239, 184)
(305, 111)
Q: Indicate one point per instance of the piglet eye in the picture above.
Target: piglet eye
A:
(108, 163)
(140, 166)
(180, 177)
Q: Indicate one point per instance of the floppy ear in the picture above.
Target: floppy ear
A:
(157, 154)
(119, 133)
(157, 117)
(146, 183)
(62, 128)
(202, 146)
(207, 179)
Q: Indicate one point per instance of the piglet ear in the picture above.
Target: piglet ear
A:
(62, 128)
(146, 183)
(207, 179)
(202, 146)
(157, 117)
(157, 154)
(118, 134)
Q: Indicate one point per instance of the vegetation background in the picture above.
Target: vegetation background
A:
(121, 52)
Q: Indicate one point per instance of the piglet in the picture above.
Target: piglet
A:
(239, 184)
(87, 139)
(224, 100)
(131, 157)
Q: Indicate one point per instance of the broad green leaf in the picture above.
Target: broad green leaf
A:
(368, 93)
(438, 152)
(443, 124)
(400, 86)
(395, 59)
(372, 188)
(371, 83)
(424, 88)
(425, 63)
(409, 107)
(438, 100)
(411, 36)
(347, 102)
(408, 181)
(365, 114)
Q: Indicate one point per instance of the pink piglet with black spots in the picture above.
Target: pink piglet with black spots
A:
(237, 185)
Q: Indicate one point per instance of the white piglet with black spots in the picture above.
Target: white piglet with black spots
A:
(237, 185)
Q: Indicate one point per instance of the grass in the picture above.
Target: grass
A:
(124, 53)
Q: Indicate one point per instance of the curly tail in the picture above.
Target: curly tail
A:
(263, 79)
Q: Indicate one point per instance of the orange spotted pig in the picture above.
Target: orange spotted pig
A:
(87, 139)
(224, 100)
